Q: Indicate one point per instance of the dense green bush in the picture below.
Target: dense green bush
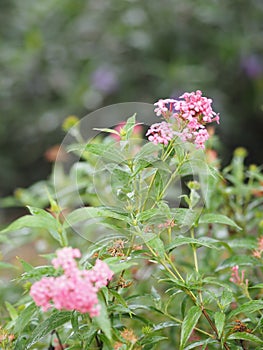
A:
(71, 57)
(183, 240)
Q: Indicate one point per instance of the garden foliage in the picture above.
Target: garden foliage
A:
(164, 251)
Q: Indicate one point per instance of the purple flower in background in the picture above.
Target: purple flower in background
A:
(252, 66)
(104, 79)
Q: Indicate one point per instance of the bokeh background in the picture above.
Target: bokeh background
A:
(63, 57)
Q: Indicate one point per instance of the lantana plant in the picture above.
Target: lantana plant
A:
(159, 249)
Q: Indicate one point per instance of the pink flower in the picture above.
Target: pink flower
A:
(100, 274)
(41, 292)
(164, 107)
(75, 289)
(65, 259)
(160, 133)
(236, 278)
(196, 106)
(191, 114)
(258, 252)
(200, 137)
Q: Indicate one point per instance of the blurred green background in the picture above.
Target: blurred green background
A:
(62, 57)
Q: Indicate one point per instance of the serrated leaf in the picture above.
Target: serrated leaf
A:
(57, 319)
(220, 318)
(217, 219)
(188, 324)
(103, 320)
(245, 336)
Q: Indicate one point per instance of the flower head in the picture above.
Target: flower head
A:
(75, 289)
(238, 278)
(160, 133)
(190, 114)
(164, 107)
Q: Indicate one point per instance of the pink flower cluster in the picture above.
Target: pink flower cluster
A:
(190, 115)
(160, 133)
(75, 289)
(236, 278)
(258, 252)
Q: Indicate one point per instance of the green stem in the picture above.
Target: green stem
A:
(174, 174)
(196, 262)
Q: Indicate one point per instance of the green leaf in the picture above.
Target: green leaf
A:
(164, 325)
(38, 211)
(86, 213)
(146, 152)
(75, 321)
(245, 336)
(110, 131)
(202, 242)
(149, 214)
(5, 265)
(198, 344)
(39, 271)
(247, 308)
(157, 245)
(217, 219)
(260, 286)
(219, 322)
(26, 266)
(240, 260)
(11, 310)
(128, 127)
(226, 298)
(57, 319)
(103, 321)
(214, 281)
(24, 317)
(39, 219)
(119, 298)
(186, 217)
(32, 222)
(107, 152)
(246, 243)
(188, 324)
(148, 341)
